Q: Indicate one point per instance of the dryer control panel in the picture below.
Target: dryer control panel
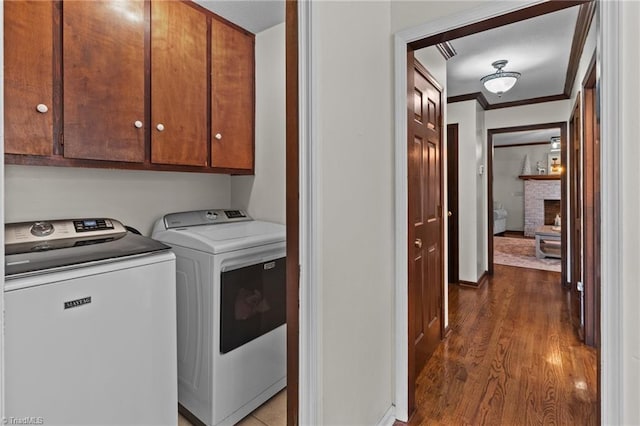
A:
(204, 217)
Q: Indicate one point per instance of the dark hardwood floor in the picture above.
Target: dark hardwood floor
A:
(511, 358)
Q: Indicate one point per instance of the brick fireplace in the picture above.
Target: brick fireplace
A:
(535, 194)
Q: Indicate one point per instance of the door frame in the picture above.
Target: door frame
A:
(562, 125)
(575, 205)
(591, 167)
(608, 39)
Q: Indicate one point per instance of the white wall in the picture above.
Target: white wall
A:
(410, 13)
(481, 191)
(508, 189)
(435, 63)
(352, 77)
(469, 214)
(263, 195)
(2, 214)
(629, 207)
(136, 198)
(547, 112)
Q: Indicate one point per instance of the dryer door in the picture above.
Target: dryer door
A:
(253, 300)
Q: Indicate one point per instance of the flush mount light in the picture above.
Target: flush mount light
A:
(500, 81)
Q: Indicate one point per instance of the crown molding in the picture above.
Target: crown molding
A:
(583, 23)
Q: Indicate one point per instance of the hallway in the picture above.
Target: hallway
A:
(510, 358)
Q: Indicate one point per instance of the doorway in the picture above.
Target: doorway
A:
(544, 184)
(420, 37)
(452, 202)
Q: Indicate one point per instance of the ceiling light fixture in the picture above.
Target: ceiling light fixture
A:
(500, 81)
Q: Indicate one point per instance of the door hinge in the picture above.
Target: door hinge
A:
(61, 139)
(580, 286)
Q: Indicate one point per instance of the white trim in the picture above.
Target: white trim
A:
(2, 214)
(401, 221)
(310, 378)
(611, 361)
(611, 373)
(388, 418)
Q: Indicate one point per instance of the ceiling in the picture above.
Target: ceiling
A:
(252, 15)
(525, 137)
(539, 48)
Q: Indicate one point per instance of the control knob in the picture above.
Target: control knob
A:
(42, 229)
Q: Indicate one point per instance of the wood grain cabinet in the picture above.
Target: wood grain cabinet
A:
(148, 85)
(103, 69)
(178, 84)
(28, 78)
(232, 97)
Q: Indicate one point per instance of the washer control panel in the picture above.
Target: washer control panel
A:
(89, 225)
(54, 230)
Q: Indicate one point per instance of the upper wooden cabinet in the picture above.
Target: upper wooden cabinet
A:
(150, 85)
(28, 77)
(103, 68)
(178, 84)
(232, 97)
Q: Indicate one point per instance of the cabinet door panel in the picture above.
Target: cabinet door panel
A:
(28, 77)
(232, 97)
(103, 67)
(178, 84)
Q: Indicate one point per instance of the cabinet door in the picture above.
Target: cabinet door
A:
(178, 84)
(232, 97)
(28, 77)
(103, 67)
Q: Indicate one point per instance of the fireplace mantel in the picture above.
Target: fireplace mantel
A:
(540, 177)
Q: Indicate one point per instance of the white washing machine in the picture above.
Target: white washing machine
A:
(231, 295)
(90, 325)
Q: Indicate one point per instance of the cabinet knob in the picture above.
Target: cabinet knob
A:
(218, 136)
(42, 108)
(138, 124)
(160, 127)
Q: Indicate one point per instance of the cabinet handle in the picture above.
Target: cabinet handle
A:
(138, 124)
(218, 136)
(160, 127)
(42, 108)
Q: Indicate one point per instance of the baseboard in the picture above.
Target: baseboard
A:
(388, 419)
(481, 281)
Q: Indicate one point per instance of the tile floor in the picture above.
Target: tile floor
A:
(271, 413)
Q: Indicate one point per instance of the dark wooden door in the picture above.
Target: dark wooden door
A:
(103, 63)
(28, 79)
(178, 84)
(452, 203)
(425, 219)
(591, 212)
(232, 97)
(575, 221)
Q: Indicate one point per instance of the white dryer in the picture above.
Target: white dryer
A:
(231, 307)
